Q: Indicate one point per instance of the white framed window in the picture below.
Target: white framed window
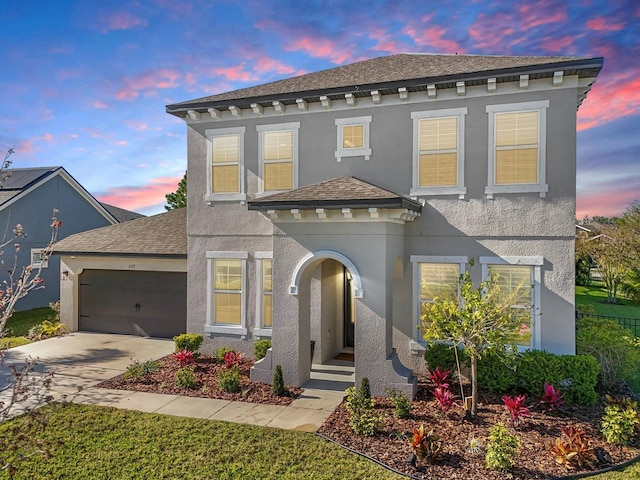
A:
(438, 152)
(225, 160)
(524, 276)
(434, 277)
(264, 292)
(353, 137)
(36, 258)
(517, 148)
(226, 287)
(278, 154)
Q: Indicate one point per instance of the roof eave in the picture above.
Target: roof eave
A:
(399, 202)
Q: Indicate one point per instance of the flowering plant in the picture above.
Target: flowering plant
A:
(183, 357)
(444, 397)
(516, 408)
(438, 377)
(232, 358)
(551, 398)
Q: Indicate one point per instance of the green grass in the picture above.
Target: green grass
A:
(596, 295)
(19, 324)
(107, 443)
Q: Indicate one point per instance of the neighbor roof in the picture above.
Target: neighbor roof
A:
(342, 192)
(121, 214)
(411, 70)
(162, 235)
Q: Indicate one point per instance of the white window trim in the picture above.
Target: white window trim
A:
(294, 127)
(260, 330)
(416, 260)
(40, 264)
(536, 262)
(458, 189)
(211, 326)
(541, 187)
(365, 151)
(241, 196)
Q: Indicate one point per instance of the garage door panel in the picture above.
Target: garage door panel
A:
(140, 303)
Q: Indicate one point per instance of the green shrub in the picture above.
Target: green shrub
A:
(260, 348)
(188, 341)
(537, 367)
(495, 374)
(362, 418)
(400, 401)
(221, 352)
(581, 377)
(611, 345)
(277, 386)
(365, 389)
(47, 329)
(441, 355)
(137, 370)
(502, 448)
(229, 380)
(185, 378)
(619, 422)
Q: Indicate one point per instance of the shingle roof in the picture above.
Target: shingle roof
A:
(19, 179)
(161, 235)
(390, 71)
(342, 192)
(121, 214)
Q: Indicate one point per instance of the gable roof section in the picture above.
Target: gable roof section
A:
(22, 181)
(120, 214)
(410, 70)
(342, 192)
(162, 235)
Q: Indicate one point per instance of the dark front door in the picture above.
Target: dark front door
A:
(349, 312)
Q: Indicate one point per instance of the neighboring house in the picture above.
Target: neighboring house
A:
(329, 207)
(28, 197)
(127, 278)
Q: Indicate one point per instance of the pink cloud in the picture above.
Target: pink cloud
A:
(385, 41)
(534, 14)
(143, 196)
(433, 37)
(613, 203)
(602, 24)
(561, 44)
(120, 21)
(612, 97)
(139, 126)
(267, 65)
(25, 147)
(484, 29)
(317, 47)
(47, 137)
(99, 104)
(236, 73)
(148, 81)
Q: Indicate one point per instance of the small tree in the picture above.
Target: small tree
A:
(479, 320)
(177, 199)
(611, 253)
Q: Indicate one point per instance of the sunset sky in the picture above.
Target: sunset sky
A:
(84, 83)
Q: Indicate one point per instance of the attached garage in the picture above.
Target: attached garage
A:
(129, 278)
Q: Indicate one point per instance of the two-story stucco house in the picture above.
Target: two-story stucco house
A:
(328, 207)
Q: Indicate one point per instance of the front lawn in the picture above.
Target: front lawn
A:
(107, 443)
(19, 324)
(596, 296)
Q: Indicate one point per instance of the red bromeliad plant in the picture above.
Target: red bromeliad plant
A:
(438, 377)
(184, 357)
(444, 397)
(551, 398)
(516, 408)
(232, 358)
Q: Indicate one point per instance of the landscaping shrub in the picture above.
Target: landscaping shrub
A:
(277, 386)
(612, 346)
(619, 420)
(537, 367)
(425, 445)
(233, 358)
(229, 380)
(441, 355)
(185, 378)
(573, 448)
(137, 370)
(362, 418)
(365, 389)
(495, 375)
(502, 448)
(400, 401)
(47, 329)
(260, 348)
(188, 341)
(516, 408)
(221, 352)
(581, 377)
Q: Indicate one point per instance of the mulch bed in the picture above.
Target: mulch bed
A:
(206, 371)
(534, 460)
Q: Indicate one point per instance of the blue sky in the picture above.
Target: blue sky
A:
(84, 83)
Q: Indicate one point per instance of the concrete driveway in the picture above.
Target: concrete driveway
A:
(80, 360)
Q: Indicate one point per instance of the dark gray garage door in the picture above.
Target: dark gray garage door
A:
(131, 302)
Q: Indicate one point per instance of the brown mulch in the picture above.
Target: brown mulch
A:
(206, 371)
(534, 460)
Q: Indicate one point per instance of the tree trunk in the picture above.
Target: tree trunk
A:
(474, 384)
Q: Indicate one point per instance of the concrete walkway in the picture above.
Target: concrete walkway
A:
(82, 360)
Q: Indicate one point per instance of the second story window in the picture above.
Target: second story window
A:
(278, 152)
(226, 164)
(353, 137)
(438, 152)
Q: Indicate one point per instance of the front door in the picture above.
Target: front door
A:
(349, 312)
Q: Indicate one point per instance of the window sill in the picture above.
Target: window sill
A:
(226, 329)
(213, 198)
(355, 152)
(542, 189)
(425, 191)
(262, 332)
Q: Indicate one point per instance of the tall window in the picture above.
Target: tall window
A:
(264, 290)
(517, 148)
(434, 277)
(278, 156)
(353, 137)
(226, 164)
(226, 312)
(267, 293)
(439, 152)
